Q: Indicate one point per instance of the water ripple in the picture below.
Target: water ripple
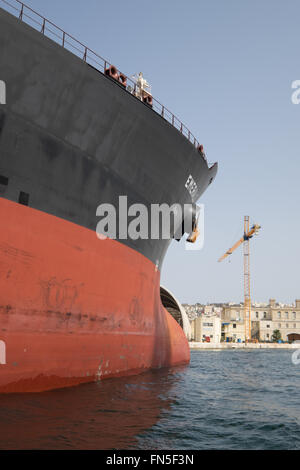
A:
(222, 400)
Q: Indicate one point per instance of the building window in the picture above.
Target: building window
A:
(268, 336)
(234, 325)
(279, 325)
(279, 315)
(257, 315)
(287, 325)
(295, 326)
(265, 315)
(286, 314)
(268, 326)
(294, 315)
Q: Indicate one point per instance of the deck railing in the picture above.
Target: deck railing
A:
(49, 29)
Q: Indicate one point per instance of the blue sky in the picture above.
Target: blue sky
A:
(226, 69)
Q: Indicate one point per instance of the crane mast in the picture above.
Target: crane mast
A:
(245, 240)
(247, 293)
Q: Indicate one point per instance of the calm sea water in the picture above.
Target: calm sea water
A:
(222, 400)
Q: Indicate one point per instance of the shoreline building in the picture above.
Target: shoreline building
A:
(207, 328)
(226, 321)
(205, 321)
(265, 319)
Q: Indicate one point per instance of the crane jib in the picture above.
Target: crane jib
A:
(248, 234)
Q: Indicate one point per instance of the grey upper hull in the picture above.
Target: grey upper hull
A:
(72, 138)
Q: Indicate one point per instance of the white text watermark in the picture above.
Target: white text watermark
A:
(296, 357)
(156, 222)
(2, 92)
(296, 94)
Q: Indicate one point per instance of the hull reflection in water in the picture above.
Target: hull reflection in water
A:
(105, 415)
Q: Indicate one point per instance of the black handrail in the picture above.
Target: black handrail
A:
(67, 41)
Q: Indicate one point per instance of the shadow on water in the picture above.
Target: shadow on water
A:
(105, 415)
(222, 400)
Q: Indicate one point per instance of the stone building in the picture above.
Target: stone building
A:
(265, 318)
(233, 331)
(286, 319)
(207, 326)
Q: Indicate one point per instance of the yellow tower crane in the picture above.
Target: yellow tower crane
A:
(248, 234)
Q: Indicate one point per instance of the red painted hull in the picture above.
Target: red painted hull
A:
(76, 309)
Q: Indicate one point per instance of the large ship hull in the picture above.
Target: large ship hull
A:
(74, 308)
